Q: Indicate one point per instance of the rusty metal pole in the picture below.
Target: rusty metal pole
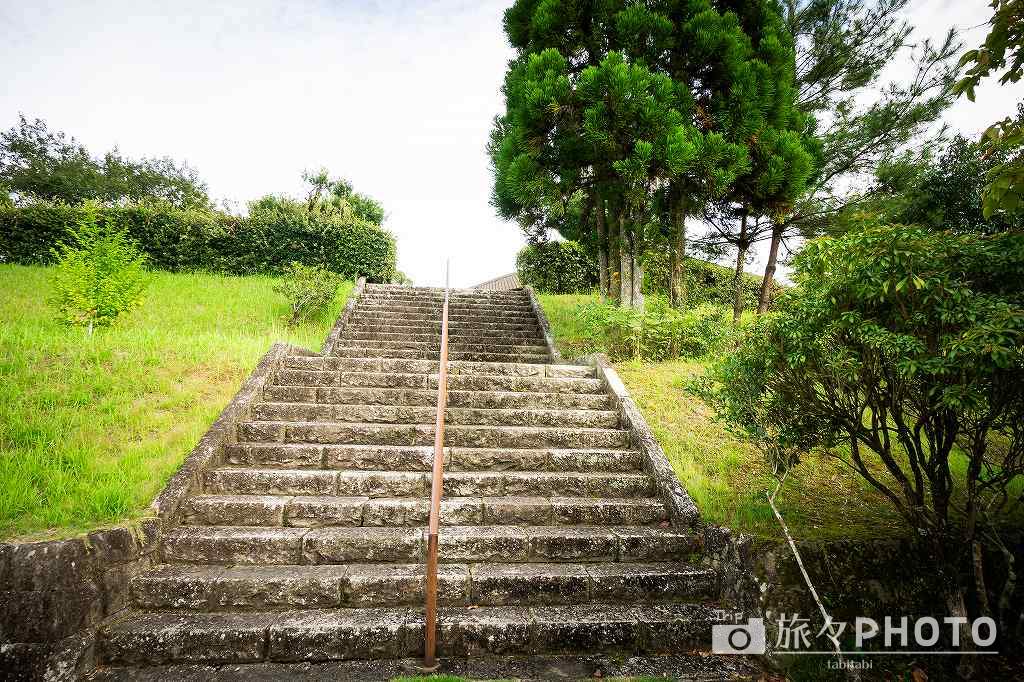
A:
(430, 648)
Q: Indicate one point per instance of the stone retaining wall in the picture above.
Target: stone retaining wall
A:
(54, 594)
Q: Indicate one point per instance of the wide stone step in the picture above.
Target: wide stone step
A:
(466, 337)
(514, 347)
(427, 308)
(389, 314)
(153, 637)
(349, 352)
(461, 368)
(412, 414)
(218, 588)
(309, 511)
(507, 348)
(454, 326)
(421, 458)
(698, 666)
(303, 379)
(426, 397)
(245, 481)
(423, 434)
(453, 297)
(231, 545)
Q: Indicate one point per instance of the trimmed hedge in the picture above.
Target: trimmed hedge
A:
(557, 268)
(190, 239)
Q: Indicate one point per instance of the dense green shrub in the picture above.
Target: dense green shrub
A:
(310, 289)
(194, 239)
(99, 274)
(660, 332)
(705, 282)
(557, 268)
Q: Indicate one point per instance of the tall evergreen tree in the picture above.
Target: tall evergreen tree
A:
(634, 114)
(842, 47)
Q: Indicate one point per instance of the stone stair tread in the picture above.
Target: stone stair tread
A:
(369, 633)
(424, 397)
(331, 413)
(306, 511)
(686, 667)
(220, 588)
(416, 484)
(455, 367)
(420, 458)
(459, 544)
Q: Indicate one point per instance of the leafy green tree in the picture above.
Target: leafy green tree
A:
(622, 118)
(99, 275)
(335, 195)
(1003, 50)
(36, 163)
(945, 193)
(842, 48)
(900, 352)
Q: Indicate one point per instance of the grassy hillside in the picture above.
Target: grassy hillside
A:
(726, 477)
(92, 427)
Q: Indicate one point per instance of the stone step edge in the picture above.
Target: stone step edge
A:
(197, 587)
(141, 637)
(696, 666)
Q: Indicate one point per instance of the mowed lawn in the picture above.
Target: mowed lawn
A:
(91, 427)
(726, 477)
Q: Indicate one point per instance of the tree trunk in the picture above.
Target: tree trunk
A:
(737, 278)
(612, 256)
(769, 270)
(677, 258)
(637, 269)
(625, 264)
(602, 246)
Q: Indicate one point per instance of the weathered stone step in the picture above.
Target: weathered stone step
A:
(413, 414)
(426, 397)
(155, 637)
(421, 458)
(466, 337)
(300, 379)
(454, 296)
(231, 545)
(387, 313)
(461, 368)
(310, 511)
(423, 434)
(523, 348)
(454, 326)
(518, 309)
(246, 481)
(217, 588)
(699, 666)
(454, 354)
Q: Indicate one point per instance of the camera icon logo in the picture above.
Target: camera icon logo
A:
(738, 639)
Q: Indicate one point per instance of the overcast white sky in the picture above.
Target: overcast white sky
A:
(396, 96)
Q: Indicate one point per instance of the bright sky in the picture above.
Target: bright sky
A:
(396, 96)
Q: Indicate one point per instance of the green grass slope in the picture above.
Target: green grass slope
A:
(92, 427)
(727, 477)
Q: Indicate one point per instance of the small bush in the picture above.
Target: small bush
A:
(100, 274)
(557, 268)
(660, 332)
(310, 290)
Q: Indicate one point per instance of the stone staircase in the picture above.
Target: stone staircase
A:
(306, 541)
